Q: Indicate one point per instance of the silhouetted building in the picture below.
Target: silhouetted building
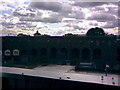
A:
(70, 49)
(95, 50)
(37, 34)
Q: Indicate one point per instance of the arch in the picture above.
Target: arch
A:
(0, 53)
(118, 54)
(86, 55)
(43, 52)
(53, 53)
(43, 55)
(34, 52)
(16, 52)
(97, 54)
(64, 52)
(7, 53)
(63, 55)
(74, 56)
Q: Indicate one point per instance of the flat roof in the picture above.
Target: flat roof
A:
(64, 72)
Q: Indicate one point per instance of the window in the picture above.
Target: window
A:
(7, 52)
(16, 52)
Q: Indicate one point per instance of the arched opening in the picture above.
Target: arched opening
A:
(43, 52)
(0, 53)
(53, 53)
(64, 55)
(96, 54)
(34, 52)
(86, 55)
(43, 55)
(74, 56)
(118, 54)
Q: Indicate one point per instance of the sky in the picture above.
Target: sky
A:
(57, 17)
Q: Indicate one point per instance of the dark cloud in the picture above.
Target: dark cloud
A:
(77, 15)
(89, 4)
(64, 10)
(7, 32)
(113, 10)
(93, 24)
(7, 24)
(16, 13)
(60, 32)
(24, 11)
(98, 8)
(21, 23)
(102, 17)
(113, 24)
(109, 10)
(53, 6)
(30, 19)
(74, 26)
(25, 24)
(53, 18)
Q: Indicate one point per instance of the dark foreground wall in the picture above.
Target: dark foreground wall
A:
(13, 81)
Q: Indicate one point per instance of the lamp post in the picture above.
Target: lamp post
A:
(106, 69)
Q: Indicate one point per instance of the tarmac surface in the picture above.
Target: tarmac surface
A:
(66, 72)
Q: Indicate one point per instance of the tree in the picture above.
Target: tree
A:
(95, 32)
(21, 34)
